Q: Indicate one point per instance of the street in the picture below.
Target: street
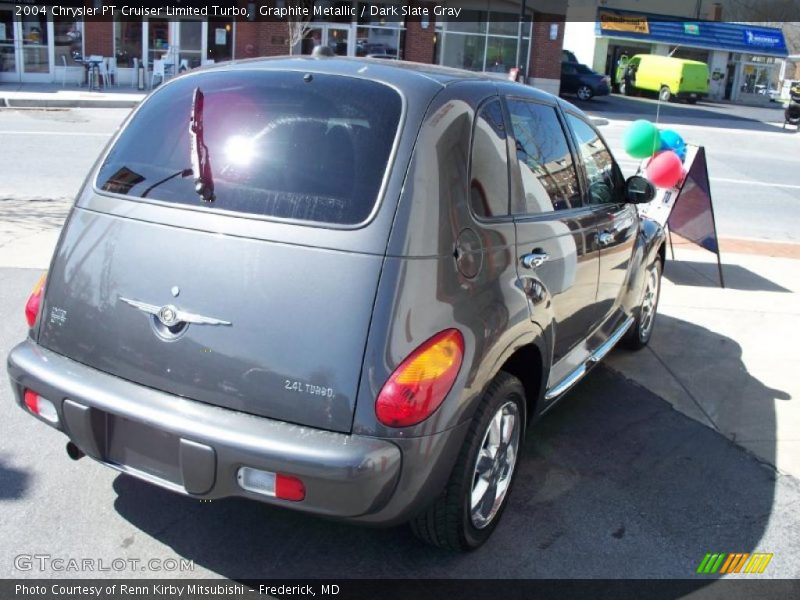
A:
(751, 162)
(619, 481)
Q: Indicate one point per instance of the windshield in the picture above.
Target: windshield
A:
(584, 70)
(292, 145)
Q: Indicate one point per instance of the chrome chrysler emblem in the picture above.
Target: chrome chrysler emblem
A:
(169, 315)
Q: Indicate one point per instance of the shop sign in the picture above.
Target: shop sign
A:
(610, 21)
(691, 28)
(762, 39)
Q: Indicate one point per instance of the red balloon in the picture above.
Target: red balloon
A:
(665, 169)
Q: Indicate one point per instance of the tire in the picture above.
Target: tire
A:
(585, 93)
(665, 94)
(638, 336)
(452, 522)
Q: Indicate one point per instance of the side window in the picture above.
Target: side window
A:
(548, 173)
(603, 175)
(488, 185)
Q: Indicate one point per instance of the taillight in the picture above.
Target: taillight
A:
(419, 385)
(35, 301)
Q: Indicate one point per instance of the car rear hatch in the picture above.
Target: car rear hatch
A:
(211, 260)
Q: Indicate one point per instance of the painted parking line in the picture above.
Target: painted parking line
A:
(790, 186)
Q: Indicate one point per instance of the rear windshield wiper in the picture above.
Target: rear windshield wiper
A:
(201, 163)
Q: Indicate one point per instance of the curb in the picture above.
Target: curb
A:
(16, 102)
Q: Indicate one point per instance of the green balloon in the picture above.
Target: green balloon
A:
(641, 139)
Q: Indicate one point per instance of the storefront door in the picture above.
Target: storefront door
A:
(26, 50)
(192, 40)
(755, 83)
(336, 37)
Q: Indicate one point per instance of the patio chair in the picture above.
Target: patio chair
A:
(158, 71)
(112, 70)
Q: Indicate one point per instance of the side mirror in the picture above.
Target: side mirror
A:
(638, 190)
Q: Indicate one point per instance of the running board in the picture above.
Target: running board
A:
(584, 367)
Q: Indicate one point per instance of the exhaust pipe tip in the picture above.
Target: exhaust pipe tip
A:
(74, 452)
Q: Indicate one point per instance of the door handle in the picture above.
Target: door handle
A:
(535, 259)
(604, 238)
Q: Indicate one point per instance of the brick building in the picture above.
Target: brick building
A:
(488, 35)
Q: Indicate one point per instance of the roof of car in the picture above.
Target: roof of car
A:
(402, 74)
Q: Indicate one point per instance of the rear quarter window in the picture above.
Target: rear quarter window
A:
(280, 144)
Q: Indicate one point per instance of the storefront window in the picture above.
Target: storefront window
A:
(34, 44)
(127, 42)
(191, 43)
(379, 32)
(220, 40)
(158, 38)
(68, 41)
(486, 42)
(464, 51)
(470, 21)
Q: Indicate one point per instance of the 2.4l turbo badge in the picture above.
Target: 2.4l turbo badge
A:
(308, 388)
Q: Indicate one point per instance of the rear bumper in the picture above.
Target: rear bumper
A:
(199, 448)
(691, 95)
(602, 90)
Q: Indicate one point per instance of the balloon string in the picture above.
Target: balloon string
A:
(658, 112)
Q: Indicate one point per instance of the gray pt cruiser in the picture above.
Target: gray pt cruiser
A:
(341, 286)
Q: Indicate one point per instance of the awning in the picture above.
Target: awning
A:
(711, 35)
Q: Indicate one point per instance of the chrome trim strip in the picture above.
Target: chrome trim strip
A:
(606, 346)
(567, 382)
(596, 356)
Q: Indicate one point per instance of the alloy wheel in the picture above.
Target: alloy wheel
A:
(649, 303)
(494, 465)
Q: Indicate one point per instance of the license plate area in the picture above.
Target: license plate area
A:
(142, 448)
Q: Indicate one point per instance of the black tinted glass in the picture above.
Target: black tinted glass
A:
(279, 144)
(548, 173)
(489, 172)
(604, 177)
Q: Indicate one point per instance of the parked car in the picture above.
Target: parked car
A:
(667, 76)
(342, 286)
(582, 81)
(568, 56)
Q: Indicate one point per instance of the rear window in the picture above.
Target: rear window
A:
(291, 145)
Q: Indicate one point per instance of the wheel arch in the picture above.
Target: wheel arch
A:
(527, 364)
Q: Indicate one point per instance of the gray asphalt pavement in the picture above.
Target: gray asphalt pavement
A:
(614, 483)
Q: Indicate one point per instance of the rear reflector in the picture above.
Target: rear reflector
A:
(34, 302)
(41, 406)
(289, 488)
(267, 483)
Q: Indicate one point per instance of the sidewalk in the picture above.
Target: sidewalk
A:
(728, 358)
(51, 95)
